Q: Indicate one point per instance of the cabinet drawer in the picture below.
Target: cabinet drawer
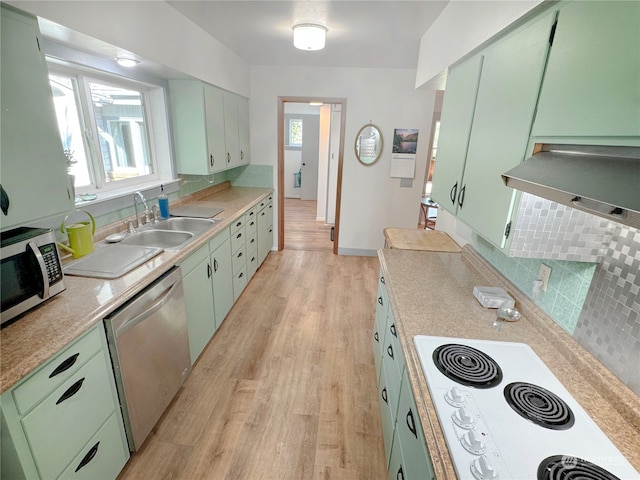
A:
(239, 259)
(252, 264)
(236, 225)
(218, 240)
(239, 282)
(61, 425)
(252, 243)
(193, 260)
(237, 239)
(386, 416)
(103, 456)
(250, 217)
(56, 371)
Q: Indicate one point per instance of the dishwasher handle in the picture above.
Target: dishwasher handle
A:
(132, 322)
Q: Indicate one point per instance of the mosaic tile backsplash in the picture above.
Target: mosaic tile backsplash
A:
(609, 325)
(546, 229)
(599, 304)
(568, 284)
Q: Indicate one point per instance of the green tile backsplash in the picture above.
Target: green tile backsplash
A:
(252, 176)
(568, 284)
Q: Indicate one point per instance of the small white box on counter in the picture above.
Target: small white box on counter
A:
(493, 297)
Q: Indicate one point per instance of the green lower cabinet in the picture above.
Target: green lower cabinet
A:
(71, 425)
(198, 296)
(396, 462)
(103, 456)
(220, 248)
(417, 462)
(386, 416)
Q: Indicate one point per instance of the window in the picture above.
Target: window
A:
(104, 128)
(295, 132)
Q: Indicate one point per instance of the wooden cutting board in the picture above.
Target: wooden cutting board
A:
(427, 240)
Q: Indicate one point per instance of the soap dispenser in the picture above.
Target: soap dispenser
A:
(163, 203)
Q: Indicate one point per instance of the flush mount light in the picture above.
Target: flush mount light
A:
(315, 104)
(309, 36)
(127, 62)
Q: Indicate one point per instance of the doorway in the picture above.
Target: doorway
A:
(298, 226)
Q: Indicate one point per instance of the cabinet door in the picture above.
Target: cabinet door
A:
(507, 95)
(231, 135)
(198, 296)
(417, 462)
(214, 114)
(455, 128)
(265, 232)
(591, 86)
(222, 280)
(387, 417)
(396, 462)
(31, 150)
(243, 131)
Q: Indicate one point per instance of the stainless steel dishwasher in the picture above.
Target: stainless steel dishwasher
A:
(149, 347)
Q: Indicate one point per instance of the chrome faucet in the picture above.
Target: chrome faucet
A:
(138, 196)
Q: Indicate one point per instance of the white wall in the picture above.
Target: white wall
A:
(154, 31)
(462, 26)
(371, 200)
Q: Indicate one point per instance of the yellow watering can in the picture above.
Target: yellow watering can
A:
(80, 235)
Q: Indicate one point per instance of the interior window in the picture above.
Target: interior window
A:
(295, 132)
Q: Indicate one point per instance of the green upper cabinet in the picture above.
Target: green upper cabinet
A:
(232, 138)
(243, 130)
(455, 128)
(33, 166)
(507, 95)
(197, 112)
(486, 120)
(592, 84)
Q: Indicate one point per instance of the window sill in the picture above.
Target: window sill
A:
(112, 200)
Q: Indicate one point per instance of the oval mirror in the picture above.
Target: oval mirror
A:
(368, 144)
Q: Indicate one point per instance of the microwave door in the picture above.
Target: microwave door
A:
(22, 277)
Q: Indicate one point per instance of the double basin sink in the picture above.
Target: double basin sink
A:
(172, 234)
(113, 260)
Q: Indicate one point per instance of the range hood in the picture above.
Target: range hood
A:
(604, 181)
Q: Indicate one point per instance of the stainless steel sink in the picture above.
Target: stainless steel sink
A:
(166, 239)
(186, 224)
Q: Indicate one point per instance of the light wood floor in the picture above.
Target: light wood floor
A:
(286, 389)
(301, 229)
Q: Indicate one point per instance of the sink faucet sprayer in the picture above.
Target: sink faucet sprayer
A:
(138, 196)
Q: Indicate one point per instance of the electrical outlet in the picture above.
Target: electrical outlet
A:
(406, 182)
(543, 274)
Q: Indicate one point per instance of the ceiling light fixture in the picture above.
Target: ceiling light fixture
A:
(309, 36)
(127, 62)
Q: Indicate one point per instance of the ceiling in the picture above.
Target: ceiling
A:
(361, 33)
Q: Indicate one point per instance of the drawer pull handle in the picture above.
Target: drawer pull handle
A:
(382, 280)
(390, 351)
(241, 275)
(71, 391)
(66, 365)
(392, 328)
(209, 272)
(375, 335)
(89, 456)
(453, 193)
(384, 395)
(380, 301)
(411, 423)
(215, 265)
(239, 235)
(400, 474)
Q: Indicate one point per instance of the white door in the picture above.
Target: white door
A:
(310, 152)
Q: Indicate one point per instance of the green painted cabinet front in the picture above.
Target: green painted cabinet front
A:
(243, 131)
(223, 299)
(231, 133)
(197, 112)
(512, 72)
(455, 128)
(198, 297)
(265, 228)
(63, 420)
(33, 166)
(592, 83)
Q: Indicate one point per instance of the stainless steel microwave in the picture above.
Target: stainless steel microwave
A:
(31, 271)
